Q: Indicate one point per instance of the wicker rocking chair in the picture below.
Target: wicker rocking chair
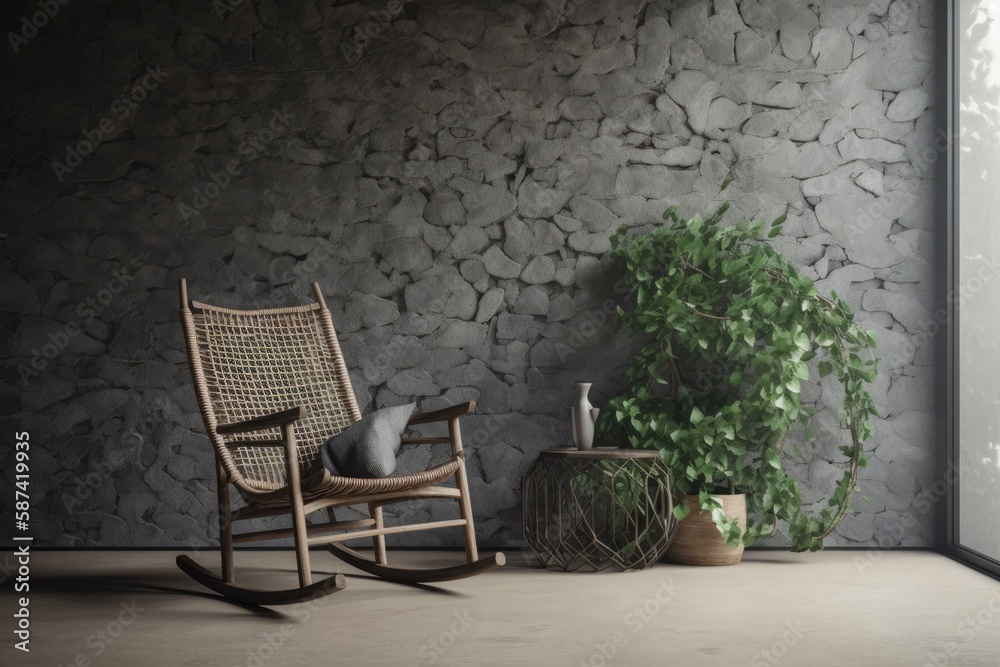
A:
(272, 387)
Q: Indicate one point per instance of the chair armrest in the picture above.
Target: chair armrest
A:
(265, 422)
(444, 414)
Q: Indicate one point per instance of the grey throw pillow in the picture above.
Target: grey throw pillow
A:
(368, 448)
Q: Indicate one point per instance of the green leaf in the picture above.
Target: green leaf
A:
(696, 416)
(825, 368)
(681, 511)
(708, 501)
(774, 232)
(726, 181)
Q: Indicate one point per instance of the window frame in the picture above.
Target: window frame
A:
(951, 544)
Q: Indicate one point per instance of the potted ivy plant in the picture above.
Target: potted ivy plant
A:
(729, 332)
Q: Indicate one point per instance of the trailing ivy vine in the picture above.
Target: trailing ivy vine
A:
(728, 329)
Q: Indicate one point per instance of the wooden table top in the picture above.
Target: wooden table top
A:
(602, 453)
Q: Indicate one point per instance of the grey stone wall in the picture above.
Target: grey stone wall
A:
(450, 172)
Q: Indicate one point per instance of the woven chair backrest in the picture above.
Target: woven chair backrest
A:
(251, 363)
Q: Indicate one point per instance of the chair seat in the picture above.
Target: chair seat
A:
(322, 484)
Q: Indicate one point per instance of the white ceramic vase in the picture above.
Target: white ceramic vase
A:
(583, 417)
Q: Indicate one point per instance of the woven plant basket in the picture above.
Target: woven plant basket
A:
(698, 541)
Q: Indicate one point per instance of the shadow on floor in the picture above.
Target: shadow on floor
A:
(96, 589)
(90, 588)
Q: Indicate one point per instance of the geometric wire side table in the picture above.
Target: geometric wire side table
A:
(598, 509)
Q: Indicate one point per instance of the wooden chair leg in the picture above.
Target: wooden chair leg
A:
(376, 513)
(225, 525)
(462, 481)
(298, 509)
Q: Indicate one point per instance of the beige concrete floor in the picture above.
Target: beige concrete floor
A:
(833, 608)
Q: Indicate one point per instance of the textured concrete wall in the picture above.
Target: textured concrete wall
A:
(450, 172)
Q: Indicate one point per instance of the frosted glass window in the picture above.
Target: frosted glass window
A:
(977, 294)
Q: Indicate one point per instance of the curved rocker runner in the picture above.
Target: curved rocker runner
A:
(412, 575)
(272, 387)
(259, 597)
